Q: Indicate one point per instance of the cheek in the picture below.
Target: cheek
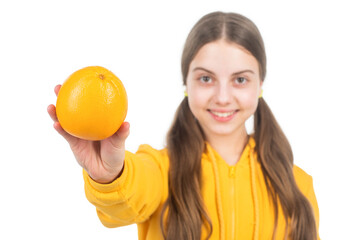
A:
(196, 101)
(248, 101)
(198, 96)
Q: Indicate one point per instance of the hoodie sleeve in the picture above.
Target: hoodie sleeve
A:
(305, 183)
(310, 195)
(132, 197)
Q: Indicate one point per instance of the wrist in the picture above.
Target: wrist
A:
(108, 178)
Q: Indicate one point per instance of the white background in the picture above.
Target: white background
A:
(43, 42)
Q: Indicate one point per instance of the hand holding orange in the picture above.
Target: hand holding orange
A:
(92, 103)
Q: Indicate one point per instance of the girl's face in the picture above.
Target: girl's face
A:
(223, 86)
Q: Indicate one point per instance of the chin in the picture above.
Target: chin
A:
(229, 130)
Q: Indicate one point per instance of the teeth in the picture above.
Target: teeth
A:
(222, 114)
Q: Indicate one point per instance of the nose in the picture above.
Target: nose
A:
(224, 94)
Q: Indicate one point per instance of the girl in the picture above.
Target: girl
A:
(213, 180)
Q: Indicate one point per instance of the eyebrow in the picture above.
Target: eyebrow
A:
(236, 73)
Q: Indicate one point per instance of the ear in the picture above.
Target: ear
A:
(261, 83)
(185, 91)
(261, 89)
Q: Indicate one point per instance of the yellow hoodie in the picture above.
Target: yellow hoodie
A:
(235, 196)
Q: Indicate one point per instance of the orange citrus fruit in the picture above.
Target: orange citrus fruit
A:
(92, 103)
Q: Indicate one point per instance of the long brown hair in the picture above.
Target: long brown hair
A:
(186, 213)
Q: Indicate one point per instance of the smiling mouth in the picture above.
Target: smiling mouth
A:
(223, 114)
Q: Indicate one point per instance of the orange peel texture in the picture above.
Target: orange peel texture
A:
(92, 103)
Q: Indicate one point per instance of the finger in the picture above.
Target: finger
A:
(123, 131)
(57, 88)
(118, 138)
(70, 139)
(51, 109)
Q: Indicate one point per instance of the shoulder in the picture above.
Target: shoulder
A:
(303, 179)
(147, 152)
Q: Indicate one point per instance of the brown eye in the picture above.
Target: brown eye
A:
(241, 80)
(205, 79)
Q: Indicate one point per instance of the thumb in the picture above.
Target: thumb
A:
(124, 130)
(121, 134)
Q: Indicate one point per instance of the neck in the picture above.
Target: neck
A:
(230, 147)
